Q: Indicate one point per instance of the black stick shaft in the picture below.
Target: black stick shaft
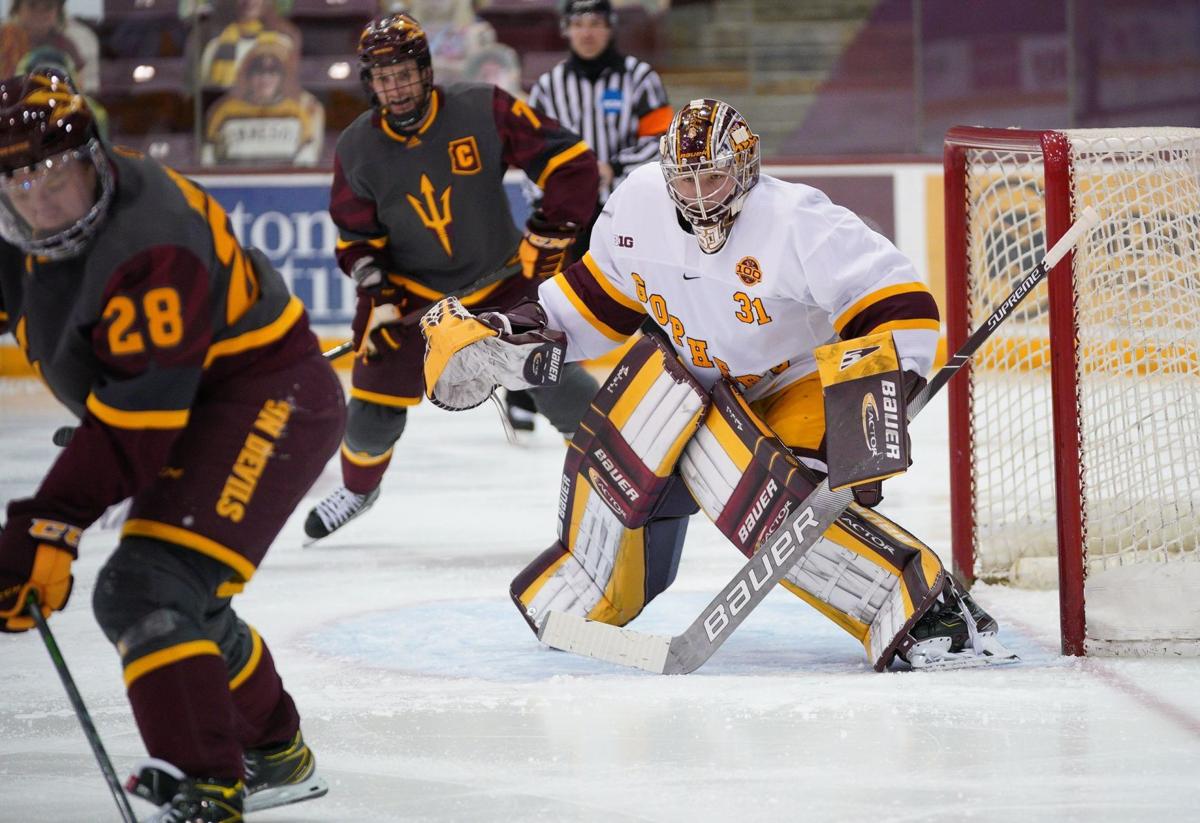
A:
(413, 316)
(85, 719)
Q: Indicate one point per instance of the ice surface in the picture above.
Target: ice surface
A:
(427, 698)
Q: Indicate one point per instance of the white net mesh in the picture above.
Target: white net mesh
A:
(1137, 392)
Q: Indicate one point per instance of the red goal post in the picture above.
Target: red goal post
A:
(1075, 438)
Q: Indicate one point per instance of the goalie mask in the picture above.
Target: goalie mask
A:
(396, 69)
(710, 161)
(56, 182)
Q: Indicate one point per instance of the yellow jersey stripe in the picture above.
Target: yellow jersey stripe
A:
(122, 419)
(432, 295)
(374, 242)
(586, 313)
(875, 297)
(383, 399)
(918, 324)
(189, 540)
(165, 657)
(564, 156)
(260, 337)
(589, 263)
(256, 648)
(362, 459)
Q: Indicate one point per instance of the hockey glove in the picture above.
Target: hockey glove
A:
(372, 281)
(544, 247)
(374, 326)
(35, 555)
(467, 357)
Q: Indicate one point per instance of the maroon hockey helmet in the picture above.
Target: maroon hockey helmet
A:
(48, 135)
(710, 160)
(387, 41)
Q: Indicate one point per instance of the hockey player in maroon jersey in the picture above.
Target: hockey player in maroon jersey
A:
(203, 396)
(420, 206)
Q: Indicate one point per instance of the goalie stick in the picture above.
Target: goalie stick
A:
(415, 315)
(686, 652)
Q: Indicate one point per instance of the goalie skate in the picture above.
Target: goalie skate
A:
(956, 633)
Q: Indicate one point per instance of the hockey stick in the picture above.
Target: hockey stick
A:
(686, 652)
(414, 316)
(85, 719)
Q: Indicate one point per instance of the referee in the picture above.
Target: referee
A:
(615, 102)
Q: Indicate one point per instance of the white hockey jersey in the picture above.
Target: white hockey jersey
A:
(796, 272)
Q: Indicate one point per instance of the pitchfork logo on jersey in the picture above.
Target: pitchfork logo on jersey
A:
(748, 271)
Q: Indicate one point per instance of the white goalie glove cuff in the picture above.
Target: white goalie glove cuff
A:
(467, 357)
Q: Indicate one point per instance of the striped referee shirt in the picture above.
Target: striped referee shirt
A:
(619, 111)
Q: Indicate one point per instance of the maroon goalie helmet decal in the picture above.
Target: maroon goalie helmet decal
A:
(710, 160)
(389, 41)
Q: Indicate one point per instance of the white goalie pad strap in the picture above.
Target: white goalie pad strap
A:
(630, 440)
(857, 588)
(709, 472)
(577, 586)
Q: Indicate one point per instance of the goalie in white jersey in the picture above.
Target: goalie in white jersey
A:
(751, 280)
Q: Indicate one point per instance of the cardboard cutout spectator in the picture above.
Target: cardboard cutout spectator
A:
(499, 65)
(454, 32)
(34, 23)
(253, 18)
(266, 117)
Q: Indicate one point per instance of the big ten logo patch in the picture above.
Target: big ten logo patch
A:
(748, 271)
(464, 156)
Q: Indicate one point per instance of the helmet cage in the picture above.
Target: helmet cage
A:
(69, 240)
(710, 162)
(389, 41)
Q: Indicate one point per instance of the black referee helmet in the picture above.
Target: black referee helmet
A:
(576, 8)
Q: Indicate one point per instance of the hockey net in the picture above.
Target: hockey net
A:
(1076, 437)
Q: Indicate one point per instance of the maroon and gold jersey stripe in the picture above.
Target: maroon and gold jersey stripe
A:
(612, 313)
(896, 307)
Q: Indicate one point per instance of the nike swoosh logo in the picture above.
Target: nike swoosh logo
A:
(693, 277)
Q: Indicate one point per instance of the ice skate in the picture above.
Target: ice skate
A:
(956, 633)
(520, 411)
(282, 775)
(183, 799)
(335, 511)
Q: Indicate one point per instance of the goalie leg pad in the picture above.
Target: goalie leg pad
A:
(872, 578)
(632, 436)
(866, 574)
(622, 513)
(609, 574)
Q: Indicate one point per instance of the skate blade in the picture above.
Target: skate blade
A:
(933, 655)
(310, 789)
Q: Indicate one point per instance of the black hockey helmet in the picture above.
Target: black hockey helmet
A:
(577, 8)
(48, 134)
(386, 41)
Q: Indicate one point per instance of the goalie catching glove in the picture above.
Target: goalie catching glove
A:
(467, 356)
